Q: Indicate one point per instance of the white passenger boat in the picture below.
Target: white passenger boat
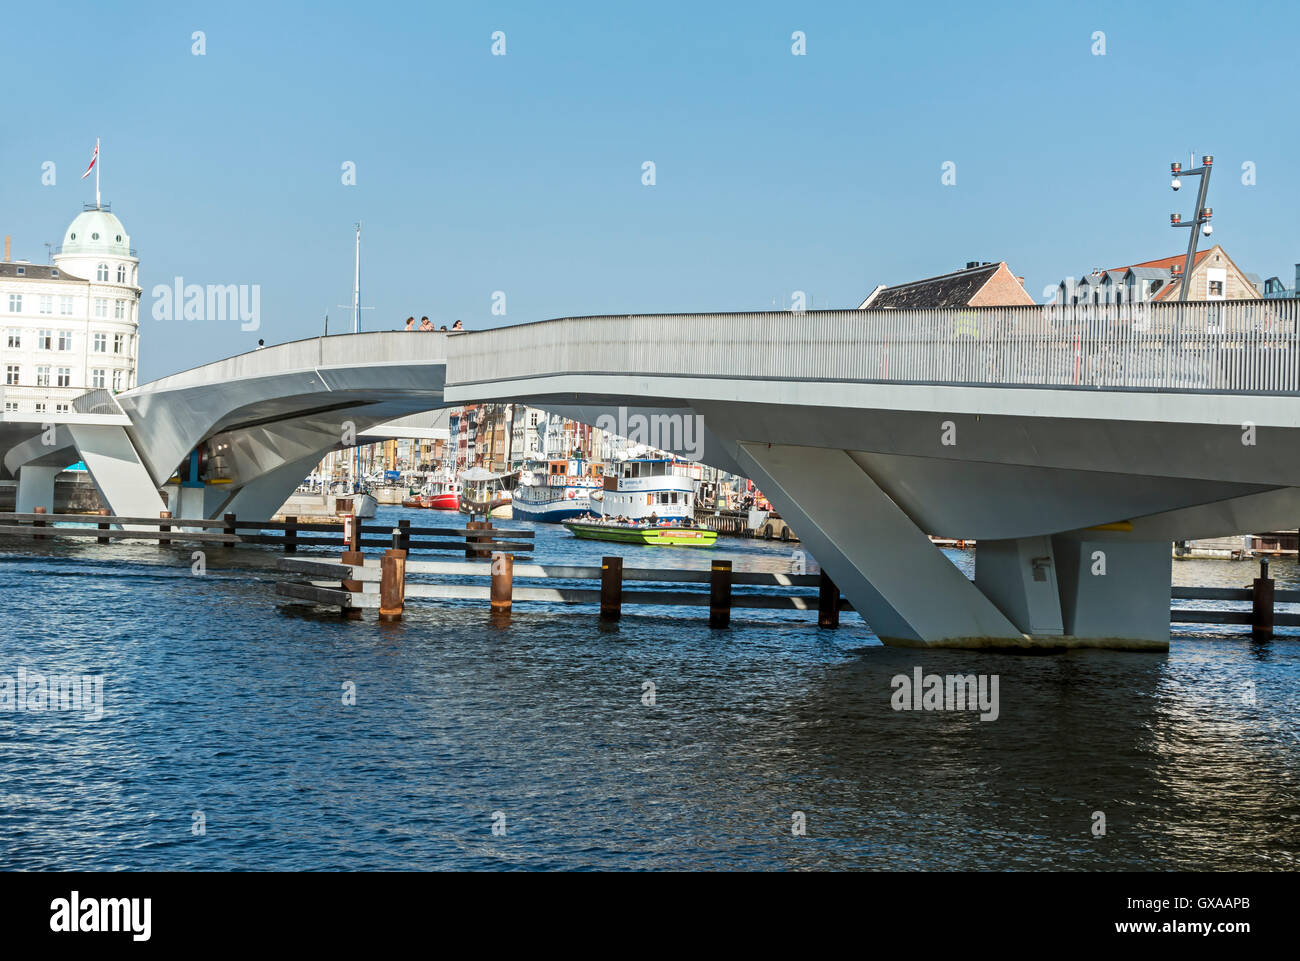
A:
(648, 489)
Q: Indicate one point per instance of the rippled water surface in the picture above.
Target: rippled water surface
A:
(217, 698)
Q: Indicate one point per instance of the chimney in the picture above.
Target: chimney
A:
(1022, 281)
(7, 250)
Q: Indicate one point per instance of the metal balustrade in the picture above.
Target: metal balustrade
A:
(1249, 346)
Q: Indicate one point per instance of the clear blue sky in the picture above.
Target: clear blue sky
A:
(522, 173)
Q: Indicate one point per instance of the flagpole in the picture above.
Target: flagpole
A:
(98, 163)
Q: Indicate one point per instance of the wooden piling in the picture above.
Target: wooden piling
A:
(392, 584)
(611, 588)
(164, 528)
(38, 510)
(503, 582)
(720, 594)
(1261, 620)
(230, 523)
(354, 559)
(291, 535)
(828, 602)
(102, 525)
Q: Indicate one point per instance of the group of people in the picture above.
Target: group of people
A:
(427, 324)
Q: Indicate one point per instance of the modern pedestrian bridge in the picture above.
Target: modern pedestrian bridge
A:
(1073, 443)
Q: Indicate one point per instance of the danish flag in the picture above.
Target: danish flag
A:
(94, 157)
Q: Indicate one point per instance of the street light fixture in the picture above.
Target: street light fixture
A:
(1201, 220)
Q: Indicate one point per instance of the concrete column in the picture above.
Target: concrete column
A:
(36, 488)
(116, 469)
(1114, 593)
(1019, 576)
(906, 590)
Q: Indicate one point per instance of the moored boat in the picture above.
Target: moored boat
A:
(556, 490)
(654, 535)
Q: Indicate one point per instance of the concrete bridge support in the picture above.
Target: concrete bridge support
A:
(906, 590)
(36, 488)
(1040, 592)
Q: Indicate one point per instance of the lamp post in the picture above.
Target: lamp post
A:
(1201, 218)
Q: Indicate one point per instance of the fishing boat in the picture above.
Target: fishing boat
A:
(556, 490)
(482, 494)
(653, 535)
(439, 494)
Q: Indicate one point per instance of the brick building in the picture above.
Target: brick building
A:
(977, 285)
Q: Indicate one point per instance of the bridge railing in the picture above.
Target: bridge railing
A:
(1227, 346)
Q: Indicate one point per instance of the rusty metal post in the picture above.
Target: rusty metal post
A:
(503, 582)
(1261, 620)
(41, 523)
(405, 527)
(164, 528)
(611, 588)
(291, 535)
(230, 523)
(720, 594)
(828, 602)
(102, 525)
(392, 584)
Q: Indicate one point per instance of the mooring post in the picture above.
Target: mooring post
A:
(291, 535)
(103, 525)
(164, 528)
(392, 584)
(405, 527)
(1261, 621)
(611, 588)
(353, 557)
(38, 523)
(230, 523)
(397, 539)
(828, 602)
(503, 582)
(473, 541)
(720, 594)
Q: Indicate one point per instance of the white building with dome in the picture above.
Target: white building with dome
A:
(72, 326)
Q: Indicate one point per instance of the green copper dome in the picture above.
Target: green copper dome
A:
(96, 232)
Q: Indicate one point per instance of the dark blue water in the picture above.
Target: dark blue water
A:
(219, 699)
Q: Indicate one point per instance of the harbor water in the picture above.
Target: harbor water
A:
(227, 739)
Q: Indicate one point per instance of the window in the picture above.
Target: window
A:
(54, 275)
(101, 272)
(45, 340)
(11, 406)
(64, 377)
(42, 377)
(11, 374)
(40, 407)
(1216, 288)
(22, 271)
(65, 340)
(14, 337)
(47, 304)
(117, 343)
(101, 307)
(117, 379)
(101, 343)
(98, 377)
(119, 309)
(62, 408)
(15, 303)
(121, 273)
(65, 306)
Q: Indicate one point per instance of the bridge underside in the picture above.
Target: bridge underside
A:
(1073, 518)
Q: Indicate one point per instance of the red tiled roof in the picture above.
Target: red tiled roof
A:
(1164, 263)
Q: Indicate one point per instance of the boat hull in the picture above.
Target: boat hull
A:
(649, 536)
(554, 511)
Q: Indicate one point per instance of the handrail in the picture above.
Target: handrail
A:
(1243, 346)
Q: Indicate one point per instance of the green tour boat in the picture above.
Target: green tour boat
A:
(661, 535)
